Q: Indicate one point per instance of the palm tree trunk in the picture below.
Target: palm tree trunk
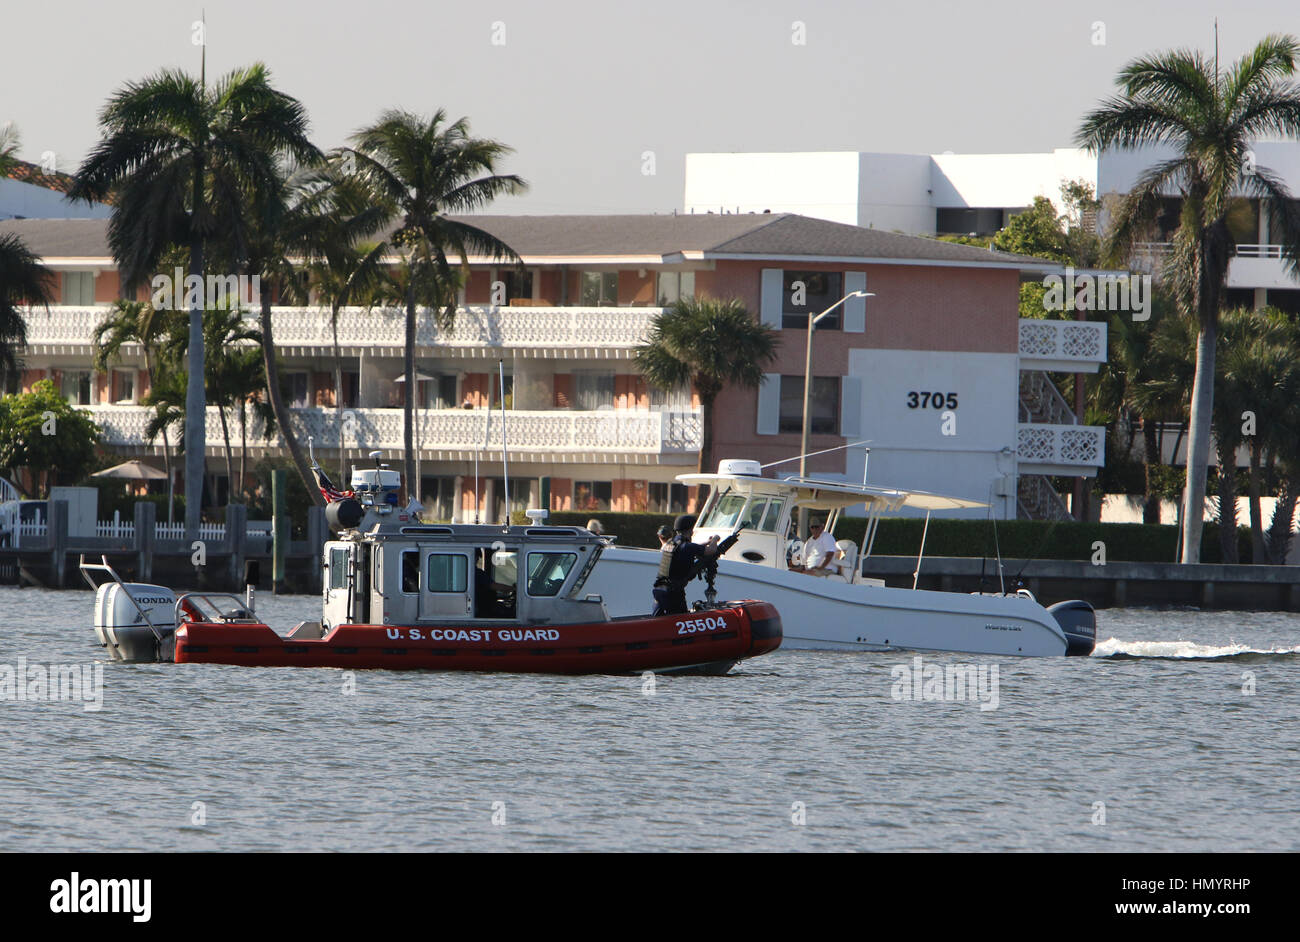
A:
(278, 407)
(706, 447)
(230, 455)
(1151, 502)
(408, 413)
(1198, 442)
(243, 446)
(196, 445)
(1258, 552)
(1228, 501)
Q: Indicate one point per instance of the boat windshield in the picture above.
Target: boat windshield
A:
(724, 513)
(547, 572)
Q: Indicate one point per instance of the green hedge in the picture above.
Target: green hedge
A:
(631, 529)
(1036, 539)
(1017, 539)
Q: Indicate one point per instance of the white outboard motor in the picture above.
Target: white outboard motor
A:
(139, 626)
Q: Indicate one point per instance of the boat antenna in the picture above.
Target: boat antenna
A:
(505, 454)
(814, 454)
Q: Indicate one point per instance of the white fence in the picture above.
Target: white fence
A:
(119, 529)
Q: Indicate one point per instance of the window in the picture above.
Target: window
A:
(823, 405)
(518, 497)
(753, 515)
(547, 572)
(670, 400)
(78, 288)
(599, 288)
(724, 513)
(448, 572)
(592, 391)
(438, 495)
(293, 386)
(519, 284)
(592, 495)
(773, 515)
(75, 386)
(821, 289)
(675, 285)
(123, 385)
(667, 498)
(509, 391)
(338, 568)
(411, 572)
(351, 388)
(439, 392)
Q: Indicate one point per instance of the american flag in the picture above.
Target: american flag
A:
(327, 488)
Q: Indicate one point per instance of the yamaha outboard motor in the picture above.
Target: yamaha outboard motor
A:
(1078, 620)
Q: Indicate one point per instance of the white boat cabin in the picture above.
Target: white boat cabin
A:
(386, 568)
(767, 510)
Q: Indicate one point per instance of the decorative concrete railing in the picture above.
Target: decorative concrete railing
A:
(442, 430)
(474, 327)
(1063, 346)
(1060, 446)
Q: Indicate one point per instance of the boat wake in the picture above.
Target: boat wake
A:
(1115, 649)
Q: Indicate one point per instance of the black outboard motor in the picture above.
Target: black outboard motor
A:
(1078, 620)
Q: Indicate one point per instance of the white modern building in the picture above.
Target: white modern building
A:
(959, 194)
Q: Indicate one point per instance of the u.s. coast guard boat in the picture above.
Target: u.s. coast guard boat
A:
(845, 610)
(400, 594)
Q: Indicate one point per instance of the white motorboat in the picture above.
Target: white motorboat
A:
(845, 610)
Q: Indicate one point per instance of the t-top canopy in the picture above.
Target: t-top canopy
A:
(829, 495)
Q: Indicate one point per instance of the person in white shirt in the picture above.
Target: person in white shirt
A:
(820, 551)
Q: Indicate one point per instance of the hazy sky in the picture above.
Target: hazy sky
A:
(582, 89)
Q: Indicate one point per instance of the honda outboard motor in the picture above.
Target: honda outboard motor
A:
(1078, 620)
(136, 622)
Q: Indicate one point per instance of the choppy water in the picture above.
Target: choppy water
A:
(1157, 727)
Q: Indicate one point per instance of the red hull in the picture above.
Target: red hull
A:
(741, 630)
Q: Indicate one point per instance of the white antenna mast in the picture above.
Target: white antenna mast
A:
(505, 455)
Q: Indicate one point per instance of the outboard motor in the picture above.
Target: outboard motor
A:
(1078, 620)
(139, 627)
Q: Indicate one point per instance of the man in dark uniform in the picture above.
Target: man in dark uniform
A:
(677, 567)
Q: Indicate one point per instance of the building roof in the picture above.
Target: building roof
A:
(645, 239)
(61, 238)
(26, 172)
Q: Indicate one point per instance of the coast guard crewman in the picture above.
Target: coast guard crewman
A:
(677, 565)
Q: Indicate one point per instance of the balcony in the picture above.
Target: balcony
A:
(1062, 346)
(1069, 450)
(553, 332)
(606, 436)
(1253, 265)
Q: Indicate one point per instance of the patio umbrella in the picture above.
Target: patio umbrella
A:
(132, 471)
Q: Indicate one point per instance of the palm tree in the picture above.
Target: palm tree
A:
(1260, 380)
(166, 397)
(340, 268)
(710, 344)
(183, 162)
(226, 338)
(419, 170)
(24, 282)
(10, 141)
(1210, 117)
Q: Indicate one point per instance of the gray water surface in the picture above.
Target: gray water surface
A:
(1157, 728)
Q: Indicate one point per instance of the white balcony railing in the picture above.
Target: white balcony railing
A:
(475, 328)
(441, 431)
(1060, 449)
(1062, 346)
